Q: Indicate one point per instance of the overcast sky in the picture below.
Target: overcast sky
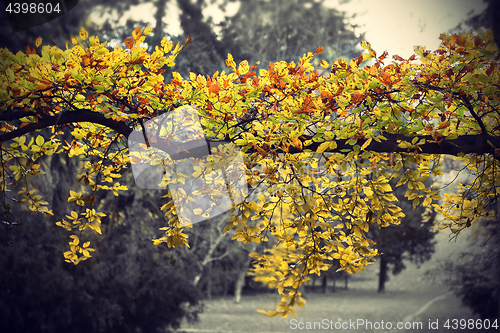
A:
(392, 25)
(398, 25)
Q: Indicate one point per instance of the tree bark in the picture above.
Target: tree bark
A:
(325, 283)
(161, 6)
(240, 281)
(209, 280)
(382, 275)
(208, 257)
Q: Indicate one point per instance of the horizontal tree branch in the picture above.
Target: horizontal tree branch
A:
(15, 114)
(464, 144)
(68, 117)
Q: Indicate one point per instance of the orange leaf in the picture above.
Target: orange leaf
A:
(444, 125)
(214, 88)
(286, 147)
(129, 42)
(398, 58)
(296, 142)
(137, 33)
(319, 49)
(188, 40)
(29, 50)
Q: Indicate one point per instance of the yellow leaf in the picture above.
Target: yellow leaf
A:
(367, 56)
(322, 147)
(148, 30)
(39, 140)
(74, 196)
(158, 241)
(83, 34)
(230, 62)
(324, 64)
(198, 211)
(75, 241)
(96, 227)
(272, 313)
(368, 191)
(385, 187)
(416, 202)
(228, 227)
(243, 68)
(366, 144)
(38, 42)
(365, 45)
(357, 232)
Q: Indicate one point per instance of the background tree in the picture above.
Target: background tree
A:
(475, 278)
(411, 240)
(269, 31)
(130, 286)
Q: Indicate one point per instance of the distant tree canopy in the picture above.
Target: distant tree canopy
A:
(412, 240)
(269, 31)
(128, 284)
(315, 150)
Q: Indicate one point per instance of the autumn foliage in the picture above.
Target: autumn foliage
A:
(319, 150)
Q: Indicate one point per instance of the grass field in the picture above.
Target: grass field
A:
(404, 300)
(223, 315)
(406, 295)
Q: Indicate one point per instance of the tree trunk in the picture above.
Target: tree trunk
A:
(161, 6)
(302, 290)
(225, 285)
(208, 257)
(240, 282)
(334, 278)
(346, 280)
(382, 275)
(325, 283)
(209, 280)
